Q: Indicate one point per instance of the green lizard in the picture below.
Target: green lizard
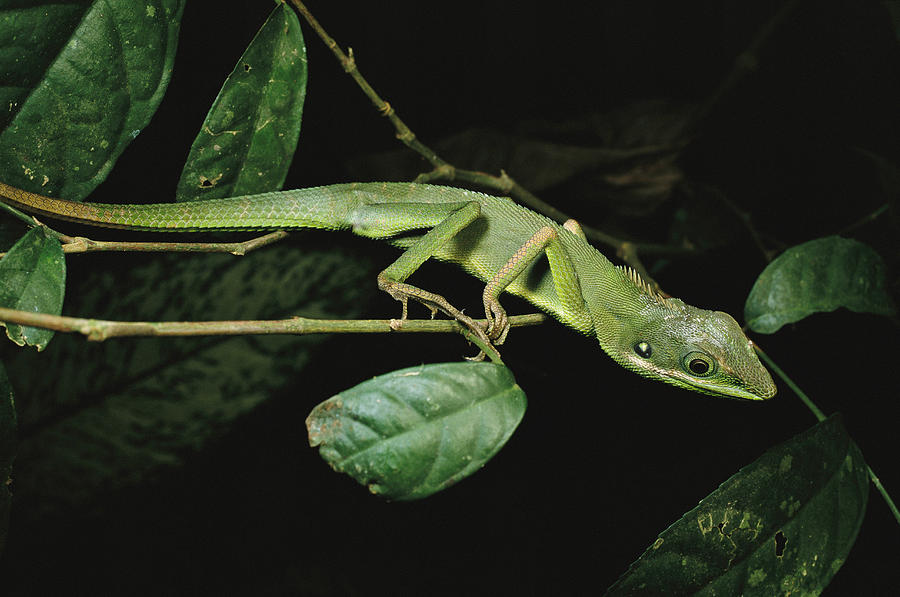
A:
(495, 240)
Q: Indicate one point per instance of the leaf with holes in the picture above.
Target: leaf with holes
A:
(80, 81)
(416, 431)
(33, 278)
(820, 275)
(784, 524)
(247, 141)
(7, 450)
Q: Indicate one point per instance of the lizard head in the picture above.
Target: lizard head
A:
(704, 351)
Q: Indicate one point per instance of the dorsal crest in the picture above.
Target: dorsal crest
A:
(648, 290)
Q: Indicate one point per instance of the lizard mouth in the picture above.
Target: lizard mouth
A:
(755, 390)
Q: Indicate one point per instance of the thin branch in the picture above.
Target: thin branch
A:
(816, 411)
(80, 244)
(445, 171)
(871, 217)
(348, 63)
(884, 494)
(99, 330)
(86, 245)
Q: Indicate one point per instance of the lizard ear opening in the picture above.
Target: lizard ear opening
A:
(643, 349)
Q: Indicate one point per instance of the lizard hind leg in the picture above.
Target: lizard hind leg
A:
(498, 322)
(447, 219)
(434, 302)
(568, 288)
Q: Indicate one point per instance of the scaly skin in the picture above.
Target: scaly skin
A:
(496, 241)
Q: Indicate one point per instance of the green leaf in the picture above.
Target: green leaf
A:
(80, 81)
(782, 525)
(33, 278)
(416, 431)
(820, 275)
(247, 141)
(7, 450)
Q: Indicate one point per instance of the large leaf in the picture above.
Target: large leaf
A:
(248, 139)
(820, 275)
(7, 450)
(98, 417)
(80, 81)
(416, 431)
(33, 278)
(782, 525)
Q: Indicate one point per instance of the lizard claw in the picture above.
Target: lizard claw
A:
(477, 358)
(498, 322)
(396, 293)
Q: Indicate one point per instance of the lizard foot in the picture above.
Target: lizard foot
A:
(498, 322)
(434, 302)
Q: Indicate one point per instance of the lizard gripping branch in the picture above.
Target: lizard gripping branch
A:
(493, 239)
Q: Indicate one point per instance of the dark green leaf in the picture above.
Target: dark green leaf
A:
(7, 450)
(80, 81)
(782, 525)
(820, 275)
(416, 431)
(33, 278)
(248, 139)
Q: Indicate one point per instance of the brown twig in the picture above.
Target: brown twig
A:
(348, 63)
(80, 244)
(99, 330)
(443, 170)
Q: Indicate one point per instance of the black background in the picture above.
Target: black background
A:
(604, 460)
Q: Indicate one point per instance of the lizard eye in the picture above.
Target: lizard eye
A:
(699, 364)
(643, 349)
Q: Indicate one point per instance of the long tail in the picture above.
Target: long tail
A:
(335, 207)
(321, 207)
